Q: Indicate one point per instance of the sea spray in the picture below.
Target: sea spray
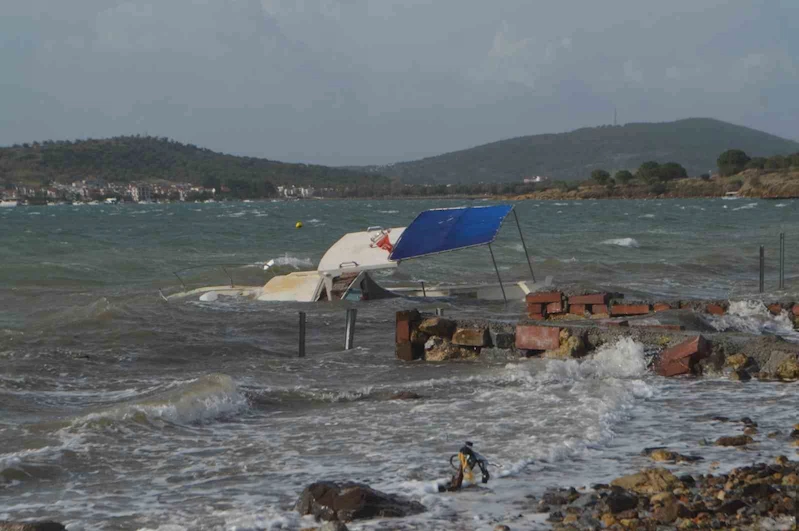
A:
(752, 317)
(622, 242)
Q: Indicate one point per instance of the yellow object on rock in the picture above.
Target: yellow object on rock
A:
(298, 225)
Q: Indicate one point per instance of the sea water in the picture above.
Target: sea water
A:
(123, 411)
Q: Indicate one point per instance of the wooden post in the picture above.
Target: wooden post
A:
(302, 335)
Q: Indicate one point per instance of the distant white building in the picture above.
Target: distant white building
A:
(306, 192)
(140, 192)
(536, 179)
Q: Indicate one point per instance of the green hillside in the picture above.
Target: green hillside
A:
(135, 158)
(695, 143)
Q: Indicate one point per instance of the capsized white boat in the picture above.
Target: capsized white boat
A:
(7, 203)
(343, 271)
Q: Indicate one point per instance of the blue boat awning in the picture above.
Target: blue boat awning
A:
(448, 229)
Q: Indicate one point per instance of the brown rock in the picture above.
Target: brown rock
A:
(740, 376)
(788, 369)
(667, 513)
(791, 480)
(715, 309)
(571, 346)
(734, 440)
(437, 326)
(736, 361)
(405, 395)
(447, 351)
(471, 337)
(750, 431)
(348, 501)
(650, 481)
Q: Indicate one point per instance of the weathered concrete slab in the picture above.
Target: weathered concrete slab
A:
(471, 337)
(682, 359)
(544, 297)
(534, 337)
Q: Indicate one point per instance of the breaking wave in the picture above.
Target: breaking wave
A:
(745, 207)
(292, 261)
(196, 401)
(622, 242)
(752, 317)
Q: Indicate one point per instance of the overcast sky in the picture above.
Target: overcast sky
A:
(376, 81)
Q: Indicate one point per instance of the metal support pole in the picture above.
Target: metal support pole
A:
(762, 268)
(523, 244)
(782, 260)
(302, 335)
(424, 293)
(439, 311)
(352, 313)
(497, 270)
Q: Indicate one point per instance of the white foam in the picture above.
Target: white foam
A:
(622, 242)
(753, 317)
(781, 205)
(648, 216)
(747, 206)
(293, 261)
(210, 296)
(389, 211)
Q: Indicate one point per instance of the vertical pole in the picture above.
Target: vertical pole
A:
(497, 270)
(302, 334)
(350, 329)
(439, 311)
(782, 260)
(762, 267)
(523, 244)
(424, 293)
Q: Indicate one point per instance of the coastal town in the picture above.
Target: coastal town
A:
(96, 191)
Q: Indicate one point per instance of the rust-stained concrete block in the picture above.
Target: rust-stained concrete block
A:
(682, 358)
(545, 297)
(629, 309)
(577, 309)
(591, 298)
(534, 337)
(661, 307)
(715, 309)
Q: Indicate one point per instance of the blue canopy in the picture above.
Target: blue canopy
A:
(447, 229)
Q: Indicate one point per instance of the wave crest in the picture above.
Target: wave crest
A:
(622, 242)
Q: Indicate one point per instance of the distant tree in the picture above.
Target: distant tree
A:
(732, 161)
(756, 163)
(600, 176)
(624, 176)
(648, 171)
(658, 188)
(777, 162)
(671, 171)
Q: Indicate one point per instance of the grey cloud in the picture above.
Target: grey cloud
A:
(371, 81)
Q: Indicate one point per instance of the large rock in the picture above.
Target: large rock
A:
(775, 361)
(571, 346)
(619, 500)
(31, 526)
(437, 326)
(734, 440)
(349, 501)
(471, 337)
(445, 351)
(649, 481)
(788, 369)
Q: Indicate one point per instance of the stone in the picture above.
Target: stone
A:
(544, 297)
(682, 358)
(732, 506)
(740, 376)
(347, 501)
(501, 528)
(629, 309)
(447, 351)
(405, 395)
(788, 369)
(736, 361)
(774, 361)
(662, 454)
(734, 440)
(534, 337)
(667, 513)
(608, 520)
(471, 337)
(570, 519)
(715, 309)
(749, 430)
(791, 480)
(31, 526)
(333, 526)
(650, 481)
(503, 340)
(571, 346)
(775, 309)
(437, 326)
(591, 298)
(620, 500)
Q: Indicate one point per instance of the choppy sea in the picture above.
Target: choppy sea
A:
(119, 410)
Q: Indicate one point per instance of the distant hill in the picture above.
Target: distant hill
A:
(695, 143)
(135, 158)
